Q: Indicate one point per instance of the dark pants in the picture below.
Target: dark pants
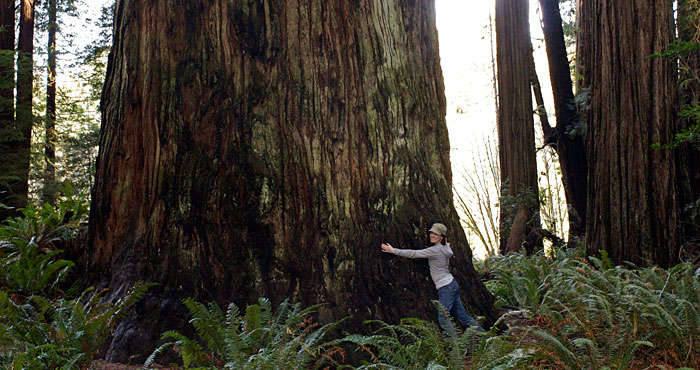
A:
(449, 297)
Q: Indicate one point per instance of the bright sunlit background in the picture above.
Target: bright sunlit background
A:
(467, 54)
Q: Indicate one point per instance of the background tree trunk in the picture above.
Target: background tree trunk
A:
(568, 136)
(688, 154)
(632, 200)
(8, 131)
(267, 148)
(516, 132)
(24, 118)
(51, 138)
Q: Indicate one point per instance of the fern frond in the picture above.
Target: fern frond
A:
(125, 304)
(630, 351)
(565, 354)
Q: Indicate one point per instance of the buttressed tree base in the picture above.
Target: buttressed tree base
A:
(267, 148)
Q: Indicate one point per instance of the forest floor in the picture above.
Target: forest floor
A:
(517, 320)
(102, 365)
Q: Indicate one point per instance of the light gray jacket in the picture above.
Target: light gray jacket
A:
(438, 259)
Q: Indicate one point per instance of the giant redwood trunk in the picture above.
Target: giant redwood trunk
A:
(632, 199)
(516, 131)
(267, 148)
(8, 131)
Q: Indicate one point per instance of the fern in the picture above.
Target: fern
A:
(207, 322)
(561, 348)
(630, 350)
(415, 344)
(29, 257)
(59, 333)
(30, 270)
(262, 339)
(604, 316)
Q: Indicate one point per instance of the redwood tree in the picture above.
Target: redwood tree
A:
(567, 137)
(632, 210)
(688, 154)
(266, 148)
(9, 185)
(51, 137)
(516, 132)
(21, 148)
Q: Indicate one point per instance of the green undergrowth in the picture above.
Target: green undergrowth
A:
(45, 321)
(575, 313)
(564, 311)
(259, 338)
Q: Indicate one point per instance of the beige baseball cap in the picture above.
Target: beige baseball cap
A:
(438, 229)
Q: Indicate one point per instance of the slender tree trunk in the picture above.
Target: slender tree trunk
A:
(25, 83)
(494, 69)
(8, 131)
(267, 148)
(632, 208)
(51, 138)
(568, 135)
(516, 133)
(584, 51)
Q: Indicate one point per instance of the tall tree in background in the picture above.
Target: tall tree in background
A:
(78, 122)
(632, 210)
(51, 137)
(267, 148)
(25, 83)
(688, 153)
(516, 133)
(567, 137)
(8, 130)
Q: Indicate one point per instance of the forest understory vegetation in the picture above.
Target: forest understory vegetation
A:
(560, 310)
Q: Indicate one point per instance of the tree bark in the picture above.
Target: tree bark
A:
(51, 138)
(24, 115)
(516, 133)
(8, 132)
(632, 199)
(568, 136)
(267, 148)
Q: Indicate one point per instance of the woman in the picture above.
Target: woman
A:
(438, 255)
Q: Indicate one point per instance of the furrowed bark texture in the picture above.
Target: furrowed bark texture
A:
(568, 135)
(516, 132)
(267, 148)
(632, 198)
(21, 146)
(8, 131)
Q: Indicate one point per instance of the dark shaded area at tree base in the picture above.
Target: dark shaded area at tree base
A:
(131, 343)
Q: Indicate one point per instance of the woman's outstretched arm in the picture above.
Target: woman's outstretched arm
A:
(411, 253)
